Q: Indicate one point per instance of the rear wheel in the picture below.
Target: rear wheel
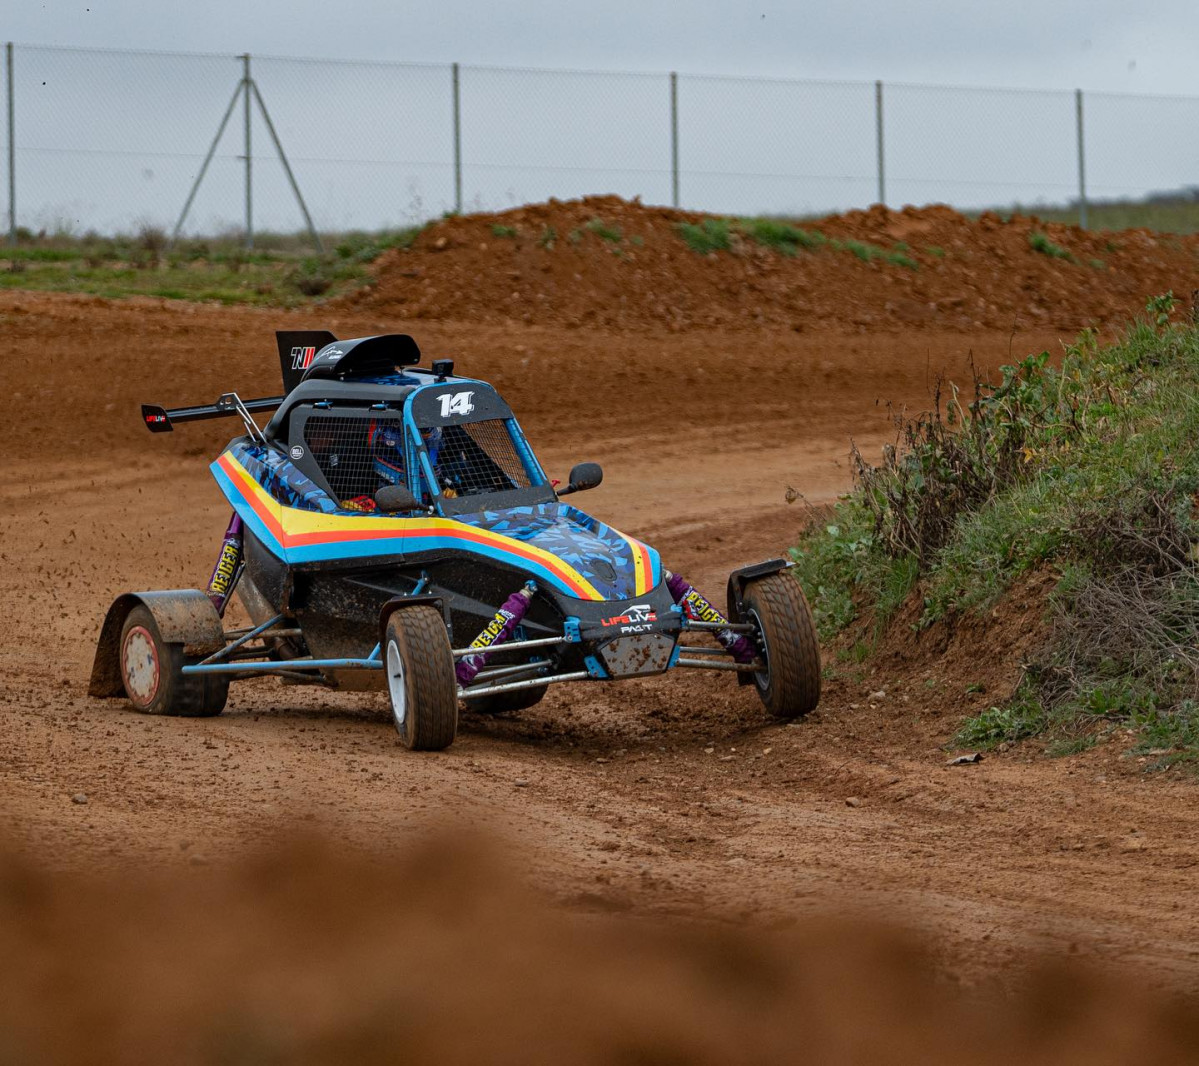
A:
(420, 678)
(790, 684)
(152, 673)
(508, 702)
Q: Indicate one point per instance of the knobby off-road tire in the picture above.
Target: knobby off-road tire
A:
(152, 672)
(507, 702)
(420, 678)
(790, 684)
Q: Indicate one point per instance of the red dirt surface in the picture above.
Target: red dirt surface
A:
(310, 954)
(659, 800)
(551, 264)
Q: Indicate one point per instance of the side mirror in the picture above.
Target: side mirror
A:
(395, 498)
(583, 476)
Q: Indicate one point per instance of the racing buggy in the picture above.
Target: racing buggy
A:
(392, 529)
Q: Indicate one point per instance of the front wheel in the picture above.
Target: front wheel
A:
(790, 684)
(420, 678)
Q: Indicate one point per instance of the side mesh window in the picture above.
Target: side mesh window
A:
(356, 455)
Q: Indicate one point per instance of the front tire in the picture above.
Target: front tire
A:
(152, 673)
(420, 678)
(790, 684)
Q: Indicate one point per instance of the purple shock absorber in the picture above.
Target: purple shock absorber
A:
(498, 630)
(228, 565)
(698, 609)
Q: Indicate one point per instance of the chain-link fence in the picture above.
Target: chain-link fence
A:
(111, 141)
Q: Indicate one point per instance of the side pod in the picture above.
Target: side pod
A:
(183, 616)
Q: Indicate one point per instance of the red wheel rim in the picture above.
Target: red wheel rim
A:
(140, 669)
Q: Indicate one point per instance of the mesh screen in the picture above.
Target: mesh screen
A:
(479, 457)
(342, 449)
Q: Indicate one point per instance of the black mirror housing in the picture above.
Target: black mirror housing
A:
(395, 498)
(583, 476)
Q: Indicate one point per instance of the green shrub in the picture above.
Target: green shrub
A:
(780, 236)
(710, 235)
(601, 229)
(1040, 243)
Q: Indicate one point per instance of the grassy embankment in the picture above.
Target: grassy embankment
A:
(278, 271)
(1088, 472)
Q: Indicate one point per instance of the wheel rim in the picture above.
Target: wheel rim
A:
(140, 668)
(396, 686)
(761, 677)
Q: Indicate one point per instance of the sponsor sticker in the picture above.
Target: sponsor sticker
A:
(297, 451)
(638, 614)
(700, 610)
(301, 357)
(226, 567)
(493, 629)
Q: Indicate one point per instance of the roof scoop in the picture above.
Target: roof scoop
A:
(305, 354)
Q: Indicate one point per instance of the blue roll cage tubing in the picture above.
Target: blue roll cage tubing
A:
(533, 470)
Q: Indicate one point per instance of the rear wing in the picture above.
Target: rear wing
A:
(160, 420)
(303, 353)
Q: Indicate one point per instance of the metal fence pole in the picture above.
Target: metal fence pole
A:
(187, 204)
(12, 151)
(249, 163)
(457, 142)
(878, 136)
(674, 139)
(1082, 162)
(291, 178)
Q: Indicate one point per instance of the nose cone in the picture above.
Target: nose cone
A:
(616, 566)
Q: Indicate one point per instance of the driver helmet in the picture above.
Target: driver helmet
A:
(431, 435)
(387, 451)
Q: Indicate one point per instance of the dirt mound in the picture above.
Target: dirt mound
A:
(606, 262)
(310, 956)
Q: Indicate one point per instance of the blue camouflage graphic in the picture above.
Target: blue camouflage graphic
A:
(283, 479)
(595, 550)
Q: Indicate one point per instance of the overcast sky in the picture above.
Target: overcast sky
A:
(1101, 45)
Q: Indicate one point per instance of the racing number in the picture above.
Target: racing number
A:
(457, 403)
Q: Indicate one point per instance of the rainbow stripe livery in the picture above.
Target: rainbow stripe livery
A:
(299, 536)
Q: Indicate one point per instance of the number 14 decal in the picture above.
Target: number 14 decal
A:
(456, 403)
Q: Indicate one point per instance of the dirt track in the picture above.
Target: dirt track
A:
(674, 796)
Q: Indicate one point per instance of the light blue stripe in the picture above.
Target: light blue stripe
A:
(242, 506)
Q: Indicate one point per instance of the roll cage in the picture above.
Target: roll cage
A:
(463, 450)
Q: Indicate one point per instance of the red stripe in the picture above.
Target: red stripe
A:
(646, 568)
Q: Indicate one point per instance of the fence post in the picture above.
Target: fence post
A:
(457, 141)
(12, 150)
(1082, 162)
(878, 136)
(245, 84)
(674, 139)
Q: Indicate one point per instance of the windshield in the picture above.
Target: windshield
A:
(477, 458)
